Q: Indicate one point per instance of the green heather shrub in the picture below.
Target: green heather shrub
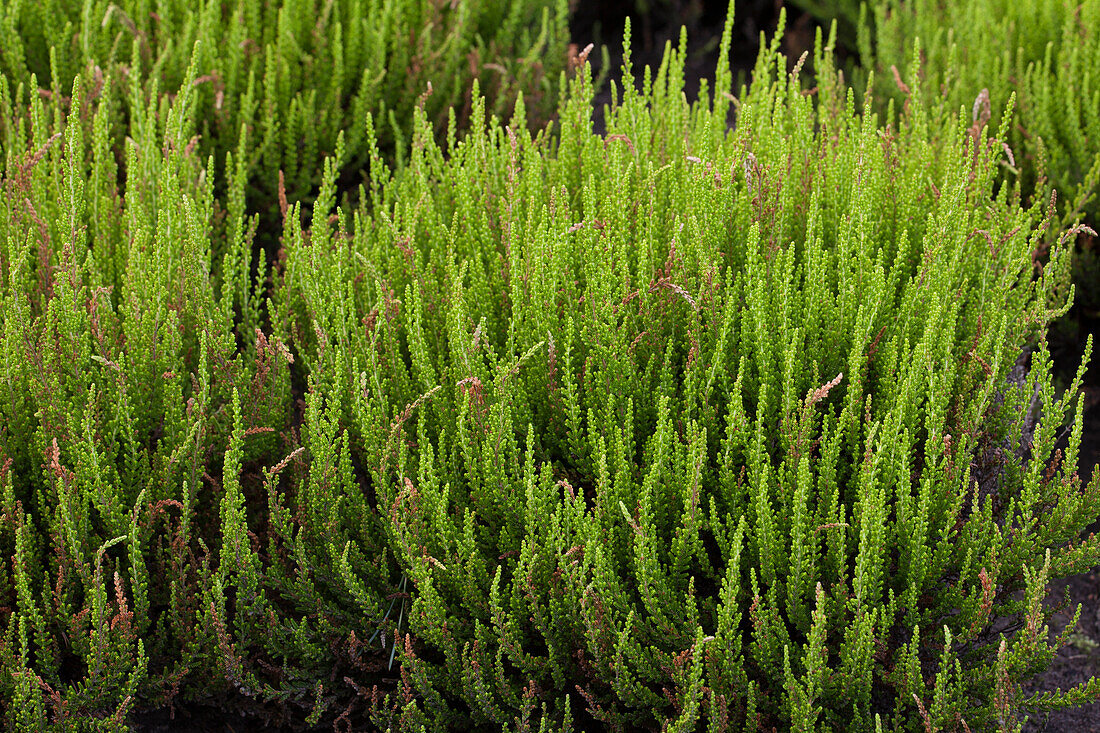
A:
(278, 83)
(279, 80)
(979, 54)
(120, 373)
(676, 426)
(681, 427)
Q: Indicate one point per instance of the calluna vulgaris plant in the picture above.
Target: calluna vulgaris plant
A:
(278, 84)
(675, 427)
(982, 55)
(278, 81)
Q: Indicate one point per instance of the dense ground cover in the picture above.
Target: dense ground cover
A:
(669, 426)
(1038, 57)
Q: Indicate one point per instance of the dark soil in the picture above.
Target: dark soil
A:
(1076, 662)
(1079, 661)
(194, 720)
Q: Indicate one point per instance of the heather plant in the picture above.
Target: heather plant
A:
(981, 55)
(121, 371)
(145, 416)
(674, 426)
(149, 437)
(682, 427)
(277, 82)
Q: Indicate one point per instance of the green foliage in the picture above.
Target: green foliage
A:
(684, 426)
(277, 81)
(108, 316)
(676, 426)
(978, 55)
